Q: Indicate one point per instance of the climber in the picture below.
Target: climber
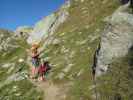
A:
(42, 70)
(35, 59)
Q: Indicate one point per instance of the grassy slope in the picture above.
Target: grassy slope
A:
(15, 90)
(118, 82)
(79, 35)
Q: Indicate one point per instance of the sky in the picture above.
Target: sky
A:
(14, 13)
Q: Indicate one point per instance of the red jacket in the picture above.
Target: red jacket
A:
(42, 69)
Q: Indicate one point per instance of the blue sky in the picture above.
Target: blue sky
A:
(14, 13)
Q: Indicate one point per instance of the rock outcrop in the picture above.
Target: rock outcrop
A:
(116, 39)
(7, 41)
(49, 24)
(23, 31)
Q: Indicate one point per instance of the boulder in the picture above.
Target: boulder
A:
(116, 40)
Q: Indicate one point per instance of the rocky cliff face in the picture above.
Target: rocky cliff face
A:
(116, 40)
(49, 24)
(114, 57)
(23, 31)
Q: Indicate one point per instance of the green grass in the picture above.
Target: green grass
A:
(118, 80)
(81, 25)
(75, 29)
(25, 89)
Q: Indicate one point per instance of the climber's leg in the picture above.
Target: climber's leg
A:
(32, 72)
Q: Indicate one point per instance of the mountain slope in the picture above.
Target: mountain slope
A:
(14, 84)
(69, 39)
(71, 48)
(49, 24)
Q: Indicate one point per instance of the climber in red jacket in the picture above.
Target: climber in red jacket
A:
(42, 70)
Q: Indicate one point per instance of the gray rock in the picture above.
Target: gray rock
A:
(7, 65)
(68, 68)
(23, 31)
(82, 42)
(56, 41)
(60, 75)
(7, 42)
(82, 0)
(80, 72)
(116, 39)
(41, 28)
